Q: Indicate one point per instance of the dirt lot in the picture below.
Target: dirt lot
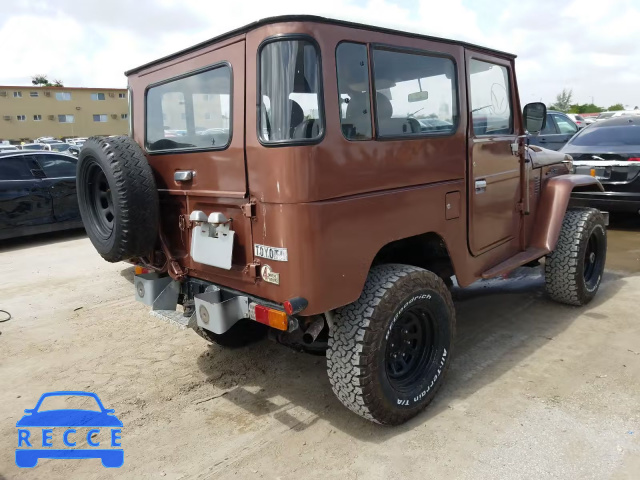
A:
(536, 390)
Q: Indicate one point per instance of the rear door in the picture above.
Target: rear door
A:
(23, 201)
(60, 181)
(494, 179)
(194, 138)
(566, 129)
(548, 137)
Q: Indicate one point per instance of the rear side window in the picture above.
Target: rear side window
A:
(353, 88)
(415, 94)
(290, 101)
(14, 168)
(56, 166)
(189, 113)
(490, 98)
(565, 124)
(608, 136)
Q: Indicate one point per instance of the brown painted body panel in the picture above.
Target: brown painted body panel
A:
(335, 204)
(553, 204)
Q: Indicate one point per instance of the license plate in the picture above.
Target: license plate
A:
(600, 172)
(271, 253)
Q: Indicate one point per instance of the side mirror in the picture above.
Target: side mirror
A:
(535, 117)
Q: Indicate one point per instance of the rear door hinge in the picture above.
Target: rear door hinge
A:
(184, 223)
(252, 270)
(249, 209)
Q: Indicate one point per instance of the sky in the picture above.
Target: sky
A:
(590, 46)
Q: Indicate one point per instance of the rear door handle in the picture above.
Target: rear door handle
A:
(183, 175)
(481, 186)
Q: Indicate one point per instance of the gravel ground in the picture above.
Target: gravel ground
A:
(537, 390)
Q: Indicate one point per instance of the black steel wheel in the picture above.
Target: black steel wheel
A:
(100, 201)
(410, 347)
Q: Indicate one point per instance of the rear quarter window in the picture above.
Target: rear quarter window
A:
(290, 92)
(191, 112)
(56, 166)
(14, 168)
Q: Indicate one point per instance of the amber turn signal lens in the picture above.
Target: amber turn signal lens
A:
(593, 172)
(141, 270)
(278, 319)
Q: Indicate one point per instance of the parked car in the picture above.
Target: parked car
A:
(59, 147)
(338, 228)
(37, 193)
(626, 113)
(605, 116)
(558, 129)
(579, 120)
(46, 140)
(589, 120)
(76, 141)
(36, 146)
(8, 148)
(609, 151)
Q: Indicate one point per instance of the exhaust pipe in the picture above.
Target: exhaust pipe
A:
(313, 331)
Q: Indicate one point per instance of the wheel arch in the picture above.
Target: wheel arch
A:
(427, 250)
(554, 200)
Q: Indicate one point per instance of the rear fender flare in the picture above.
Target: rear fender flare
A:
(553, 204)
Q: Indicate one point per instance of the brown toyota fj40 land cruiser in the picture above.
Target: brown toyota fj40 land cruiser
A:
(325, 181)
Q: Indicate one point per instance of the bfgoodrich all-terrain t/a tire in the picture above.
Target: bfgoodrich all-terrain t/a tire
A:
(573, 271)
(389, 350)
(118, 198)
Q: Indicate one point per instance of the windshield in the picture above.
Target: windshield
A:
(32, 147)
(606, 115)
(290, 109)
(608, 136)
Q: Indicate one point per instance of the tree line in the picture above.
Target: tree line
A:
(564, 103)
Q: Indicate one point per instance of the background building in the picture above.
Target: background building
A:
(27, 113)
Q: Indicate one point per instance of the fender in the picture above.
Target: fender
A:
(552, 206)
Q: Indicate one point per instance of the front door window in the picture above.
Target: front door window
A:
(491, 107)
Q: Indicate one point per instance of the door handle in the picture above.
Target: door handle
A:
(481, 186)
(543, 140)
(183, 175)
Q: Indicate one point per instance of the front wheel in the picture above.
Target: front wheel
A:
(390, 349)
(573, 271)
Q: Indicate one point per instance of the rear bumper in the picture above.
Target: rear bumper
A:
(609, 201)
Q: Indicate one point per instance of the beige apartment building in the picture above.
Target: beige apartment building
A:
(27, 113)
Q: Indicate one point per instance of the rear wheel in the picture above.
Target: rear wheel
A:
(389, 350)
(573, 271)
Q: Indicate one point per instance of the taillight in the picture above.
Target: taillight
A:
(141, 270)
(269, 316)
(634, 159)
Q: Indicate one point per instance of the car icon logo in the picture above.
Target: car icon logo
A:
(36, 432)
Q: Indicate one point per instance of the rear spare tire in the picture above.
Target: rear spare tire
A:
(118, 198)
